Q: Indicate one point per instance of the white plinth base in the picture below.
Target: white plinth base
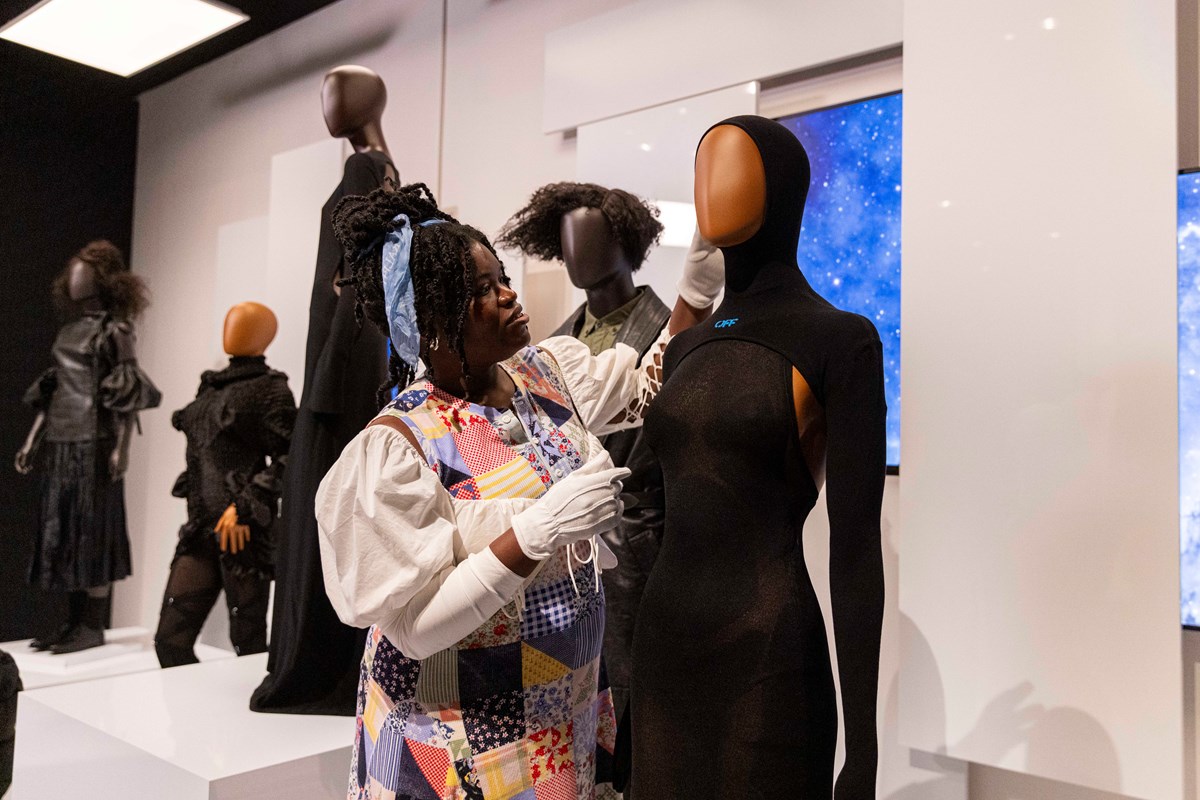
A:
(125, 651)
(185, 733)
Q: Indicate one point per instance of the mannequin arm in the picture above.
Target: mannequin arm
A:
(118, 460)
(684, 316)
(855, 466)
(24, 459)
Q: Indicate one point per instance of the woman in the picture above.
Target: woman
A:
(449, 524)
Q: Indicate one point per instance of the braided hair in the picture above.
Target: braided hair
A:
(535, 229)
(443, 269)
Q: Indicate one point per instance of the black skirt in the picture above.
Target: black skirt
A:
(82, 539)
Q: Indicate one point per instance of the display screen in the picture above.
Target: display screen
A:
(850, 243)
(1189, 396)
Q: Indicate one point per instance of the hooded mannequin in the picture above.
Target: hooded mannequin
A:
(313, 666)
(241, 417)
(779, 391)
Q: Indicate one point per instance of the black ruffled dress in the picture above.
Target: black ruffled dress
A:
(95, 381)
(241, 417)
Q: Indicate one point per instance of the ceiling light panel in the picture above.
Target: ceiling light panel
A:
(120, 36)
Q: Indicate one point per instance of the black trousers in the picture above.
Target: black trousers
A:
(197, 578)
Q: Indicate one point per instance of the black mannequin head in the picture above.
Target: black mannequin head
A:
(590, 251)
(596, 232)
(81, 282)
(97, 279)
(352, 101)
(459, 285)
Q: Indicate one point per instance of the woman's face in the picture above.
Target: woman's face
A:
(496, 325)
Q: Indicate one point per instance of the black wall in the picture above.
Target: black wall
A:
(67, 153)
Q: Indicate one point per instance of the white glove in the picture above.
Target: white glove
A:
(584, 503)
(455, 603)
(703, 273)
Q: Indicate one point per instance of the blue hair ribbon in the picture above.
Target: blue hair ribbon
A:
(398, 295)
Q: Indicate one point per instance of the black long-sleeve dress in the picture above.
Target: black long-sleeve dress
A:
(733, 693)
(314, 658)
(94, 384)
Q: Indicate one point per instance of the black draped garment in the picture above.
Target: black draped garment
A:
(94, 385)
(313, 663)
(733, 693)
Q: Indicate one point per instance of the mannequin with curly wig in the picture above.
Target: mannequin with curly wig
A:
(603, 236)
(87, 406)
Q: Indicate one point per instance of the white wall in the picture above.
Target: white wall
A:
(494, 154)
(656, 51)
(1039, 487)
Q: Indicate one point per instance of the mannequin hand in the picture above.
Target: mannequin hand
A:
(703, 273)
(233, 537)
(118, 462)
(584, 503)
(23, 463)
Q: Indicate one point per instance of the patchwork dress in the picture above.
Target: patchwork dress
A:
(519, 708)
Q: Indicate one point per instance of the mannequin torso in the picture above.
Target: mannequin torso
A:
(777, 390)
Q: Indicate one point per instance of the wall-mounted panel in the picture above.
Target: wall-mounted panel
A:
(1039, 490)
(656, 51)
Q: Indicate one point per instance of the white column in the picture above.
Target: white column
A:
(1039, 490)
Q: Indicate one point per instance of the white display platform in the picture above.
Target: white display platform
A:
(185, 733)
(125, 651)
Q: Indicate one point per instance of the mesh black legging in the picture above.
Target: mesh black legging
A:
(192, 589)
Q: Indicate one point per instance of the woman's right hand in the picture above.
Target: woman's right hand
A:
(581, 505)
(23, 462)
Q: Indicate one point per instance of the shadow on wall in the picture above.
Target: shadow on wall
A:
(1009, 721)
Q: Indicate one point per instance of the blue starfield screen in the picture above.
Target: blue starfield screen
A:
(850, 243)
(1189, 396)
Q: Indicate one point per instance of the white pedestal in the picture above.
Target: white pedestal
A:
(185, 733)
(125, 651)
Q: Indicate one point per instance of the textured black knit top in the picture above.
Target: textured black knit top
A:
(241, 417)
(731, 663)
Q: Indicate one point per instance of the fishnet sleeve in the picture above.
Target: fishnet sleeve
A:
(611, 390)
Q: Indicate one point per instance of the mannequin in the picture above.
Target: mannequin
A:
(603, 237)
(313, 665)
(87, 405)
(777, 394)
(241, 417)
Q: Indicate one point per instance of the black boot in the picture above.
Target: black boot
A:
(89, 632)
(75, 603)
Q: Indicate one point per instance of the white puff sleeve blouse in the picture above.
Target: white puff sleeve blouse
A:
(399, 552)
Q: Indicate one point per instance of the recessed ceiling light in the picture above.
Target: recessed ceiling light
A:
(121, 36)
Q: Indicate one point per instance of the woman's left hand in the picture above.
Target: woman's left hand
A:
(233, 537)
